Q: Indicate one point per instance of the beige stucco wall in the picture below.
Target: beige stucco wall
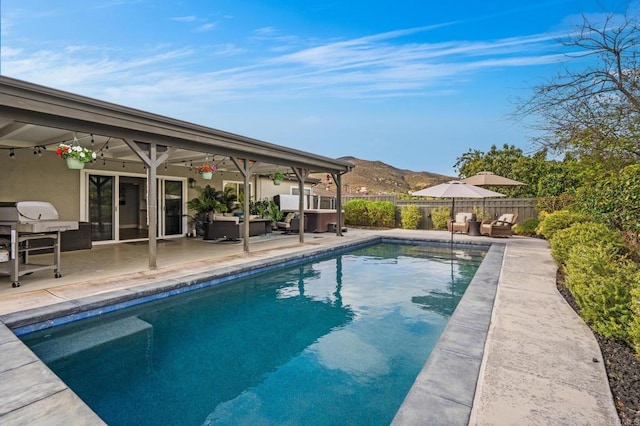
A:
(47, 178)
(40, 178)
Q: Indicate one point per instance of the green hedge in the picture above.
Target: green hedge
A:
(355, 213)
(634, 327)
(439, 217)
(601, 282)
(527, 227)
(615, 200)
(587, 233)
(370, 213)
(558, 220)
(410, 216)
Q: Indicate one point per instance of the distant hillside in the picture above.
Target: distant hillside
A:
(380, 178)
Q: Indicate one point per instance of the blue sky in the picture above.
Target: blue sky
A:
(414, 84)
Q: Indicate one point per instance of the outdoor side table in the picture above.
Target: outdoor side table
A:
(474, 228)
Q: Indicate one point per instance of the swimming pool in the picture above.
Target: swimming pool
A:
(337, 341)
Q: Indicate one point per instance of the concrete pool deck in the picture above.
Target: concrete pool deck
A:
(536, 367)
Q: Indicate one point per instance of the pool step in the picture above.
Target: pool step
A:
(71, 344)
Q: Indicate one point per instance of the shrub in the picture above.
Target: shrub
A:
(410, 217)
(615, 200)
(355, 213)
(587, 233)
(370, 213)
(480, 213)
(439, 217)
(556, 203)
(382, 214)
(634, 326)
(561, 219)
(527, 227)
(601, 282)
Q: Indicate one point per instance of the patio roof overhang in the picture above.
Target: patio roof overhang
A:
(36, 116)
(26, 104)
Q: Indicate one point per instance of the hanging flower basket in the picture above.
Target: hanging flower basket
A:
(278, 178)
(75, 155)
(74, 164)
(206, 171)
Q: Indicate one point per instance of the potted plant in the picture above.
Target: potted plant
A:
(206, 171)
(278, 178)
(75, 155)
(274, 213)
(205, 204)
(229, 198)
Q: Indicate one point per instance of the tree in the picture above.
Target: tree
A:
(594, 112)
(544, 178)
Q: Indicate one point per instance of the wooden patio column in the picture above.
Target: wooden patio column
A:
(302, 175)
(246, 168)
(152, 161)
(337, 177)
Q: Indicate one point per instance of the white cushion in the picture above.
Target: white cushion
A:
(461, 217)
(221, 218)
(506, 218)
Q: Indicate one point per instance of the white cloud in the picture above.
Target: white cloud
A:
(184, 18)
(380, 65)
(206, 27)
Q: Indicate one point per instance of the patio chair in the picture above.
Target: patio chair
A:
(285, 225)
(500, 227)
(460, 223)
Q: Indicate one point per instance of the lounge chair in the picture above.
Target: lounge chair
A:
(460, 223)
(500, 227)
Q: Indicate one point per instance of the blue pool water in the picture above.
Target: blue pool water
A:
(337, 341)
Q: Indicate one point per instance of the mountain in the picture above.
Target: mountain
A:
(379, 178)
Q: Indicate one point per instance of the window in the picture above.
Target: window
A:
(237, 188)
(294, 190)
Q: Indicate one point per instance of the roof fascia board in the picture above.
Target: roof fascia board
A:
(29, 103)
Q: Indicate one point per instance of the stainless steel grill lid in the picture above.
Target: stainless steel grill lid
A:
(34, 216)
(31, 211)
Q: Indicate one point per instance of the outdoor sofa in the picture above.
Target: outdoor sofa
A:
(232, 228)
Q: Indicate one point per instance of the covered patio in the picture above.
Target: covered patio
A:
(36, 118)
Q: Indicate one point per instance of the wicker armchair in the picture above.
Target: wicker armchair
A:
(500, 227)
(460, 223)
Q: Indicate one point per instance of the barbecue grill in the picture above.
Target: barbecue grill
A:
(24, 221)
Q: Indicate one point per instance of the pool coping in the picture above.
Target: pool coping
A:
(60, 398)
(444, 391)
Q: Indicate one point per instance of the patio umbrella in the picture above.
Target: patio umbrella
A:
(456, 189)
(490, 179)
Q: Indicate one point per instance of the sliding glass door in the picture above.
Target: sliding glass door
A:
(101, 208)
(171, 202)
(116, 206)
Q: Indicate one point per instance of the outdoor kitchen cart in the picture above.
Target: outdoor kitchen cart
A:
(22, 222)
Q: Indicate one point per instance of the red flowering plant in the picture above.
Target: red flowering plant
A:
(206, 168)
(81, 154)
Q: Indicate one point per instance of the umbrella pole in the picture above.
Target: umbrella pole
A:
(453, 206)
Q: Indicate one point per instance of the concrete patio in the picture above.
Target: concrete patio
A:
(534, 364)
